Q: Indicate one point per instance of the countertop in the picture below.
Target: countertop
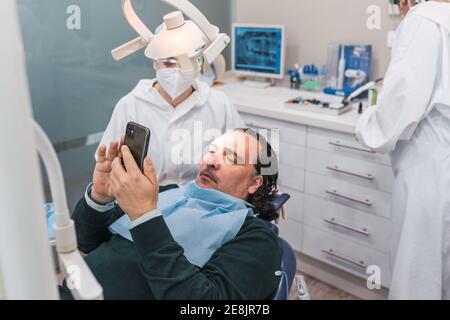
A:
(270, 103)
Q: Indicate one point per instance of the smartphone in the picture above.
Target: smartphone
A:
(137, 139)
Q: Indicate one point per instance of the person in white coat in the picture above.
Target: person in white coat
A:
(183, 114)
(412, 122)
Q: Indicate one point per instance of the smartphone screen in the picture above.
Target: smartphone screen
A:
(137, 139)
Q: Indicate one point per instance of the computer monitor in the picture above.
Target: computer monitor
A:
(258, 50)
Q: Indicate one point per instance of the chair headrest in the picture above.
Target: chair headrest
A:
(280, 200)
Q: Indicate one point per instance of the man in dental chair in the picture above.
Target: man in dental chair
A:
(204, 241)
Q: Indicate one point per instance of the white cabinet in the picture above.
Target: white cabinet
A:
(342, 144)
(347, 223)
(345, 254)
(294, 208)
(290, 133)
(291, 177)
(352, 170)
(339, 211)
(348, 194)
(292, 155)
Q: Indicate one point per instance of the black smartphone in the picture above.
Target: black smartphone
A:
(137, 139)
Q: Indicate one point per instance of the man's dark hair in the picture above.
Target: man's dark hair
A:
(267, 166)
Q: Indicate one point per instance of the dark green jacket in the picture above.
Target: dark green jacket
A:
(154, 267)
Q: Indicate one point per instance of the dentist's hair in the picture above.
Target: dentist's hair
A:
(264, 197)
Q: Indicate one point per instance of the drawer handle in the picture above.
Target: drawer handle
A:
(368, 176)
(366, 202)
(337, 143)
(333, 222)
(332, 253)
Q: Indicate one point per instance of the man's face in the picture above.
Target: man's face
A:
(229, 165)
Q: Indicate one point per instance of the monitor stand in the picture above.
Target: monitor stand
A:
(259, 84)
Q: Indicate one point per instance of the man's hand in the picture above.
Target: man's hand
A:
(136, 193)
(101, 190)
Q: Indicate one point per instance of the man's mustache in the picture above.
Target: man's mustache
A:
(210, 174)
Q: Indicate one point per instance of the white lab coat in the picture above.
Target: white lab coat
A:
(179, 136)
(412, 120)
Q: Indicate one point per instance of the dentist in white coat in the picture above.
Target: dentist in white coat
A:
(412, 122)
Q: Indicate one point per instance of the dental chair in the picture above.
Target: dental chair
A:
(288, 259)
(288, 268)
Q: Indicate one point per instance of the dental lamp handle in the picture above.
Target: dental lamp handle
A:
(213, 51)
(135, 22)
(129, 48)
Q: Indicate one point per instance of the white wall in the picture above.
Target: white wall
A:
(312, 24)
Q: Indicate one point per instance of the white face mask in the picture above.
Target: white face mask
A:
(174, 81)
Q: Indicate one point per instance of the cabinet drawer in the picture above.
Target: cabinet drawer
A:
(351, 195)
(288, 132)
(294, 207)
(291, 231)
(291, 177)
(345, 254)
(343, 144)
(292, 155)
(350, 224)
(363, 173)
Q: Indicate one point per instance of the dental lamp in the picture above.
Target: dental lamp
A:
(185, 40)
(27, 271)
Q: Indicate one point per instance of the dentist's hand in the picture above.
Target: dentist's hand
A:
(101, 190)
(136, 193)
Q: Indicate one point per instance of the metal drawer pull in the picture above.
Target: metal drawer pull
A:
(368, 176)
(333, 221)
(337, 143)
(337, 194)
(332, 253)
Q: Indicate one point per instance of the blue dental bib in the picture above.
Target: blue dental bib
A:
(200, 220)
